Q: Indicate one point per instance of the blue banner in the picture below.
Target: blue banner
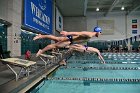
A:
(38, 15)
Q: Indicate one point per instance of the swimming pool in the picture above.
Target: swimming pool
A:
(85, 74)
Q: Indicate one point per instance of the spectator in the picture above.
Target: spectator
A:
(28, 55)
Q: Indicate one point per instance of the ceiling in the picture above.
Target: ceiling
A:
(80, 7)
(71, 7)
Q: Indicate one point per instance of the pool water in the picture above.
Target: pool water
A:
(76, 69)
(80, 87)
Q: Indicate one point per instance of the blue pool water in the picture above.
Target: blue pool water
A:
(76, 69)
(79, 87)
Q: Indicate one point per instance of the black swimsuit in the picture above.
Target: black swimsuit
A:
(70, 37)
(86, 48)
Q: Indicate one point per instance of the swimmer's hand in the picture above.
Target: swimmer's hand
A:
(102, 62)
(37, 37)
(64, 33)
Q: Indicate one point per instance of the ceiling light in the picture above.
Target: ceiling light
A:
(97, 9)
(122, 8)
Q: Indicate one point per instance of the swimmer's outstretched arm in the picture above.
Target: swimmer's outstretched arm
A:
(95, 50)
(101, 58)
(99, 54)
(82, 33)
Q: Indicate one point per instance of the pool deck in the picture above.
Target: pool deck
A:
(8, 84)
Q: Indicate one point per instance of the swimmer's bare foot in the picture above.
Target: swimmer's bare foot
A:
(39, 52)
(63, 33)
(37, 37)
(63, 62)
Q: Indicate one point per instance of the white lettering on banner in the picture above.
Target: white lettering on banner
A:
(39, 14)
(40, 23)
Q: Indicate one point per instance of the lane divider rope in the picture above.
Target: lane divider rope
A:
(95, 79)
(104, 68)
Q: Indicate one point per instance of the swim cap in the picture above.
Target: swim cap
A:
(97, 29)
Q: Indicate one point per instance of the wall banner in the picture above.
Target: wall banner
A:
(38, 15)
(107, 26)
(59, 20)
(134, 26)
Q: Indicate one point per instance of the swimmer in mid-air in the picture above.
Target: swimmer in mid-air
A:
(68, 38)
(85, 48)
